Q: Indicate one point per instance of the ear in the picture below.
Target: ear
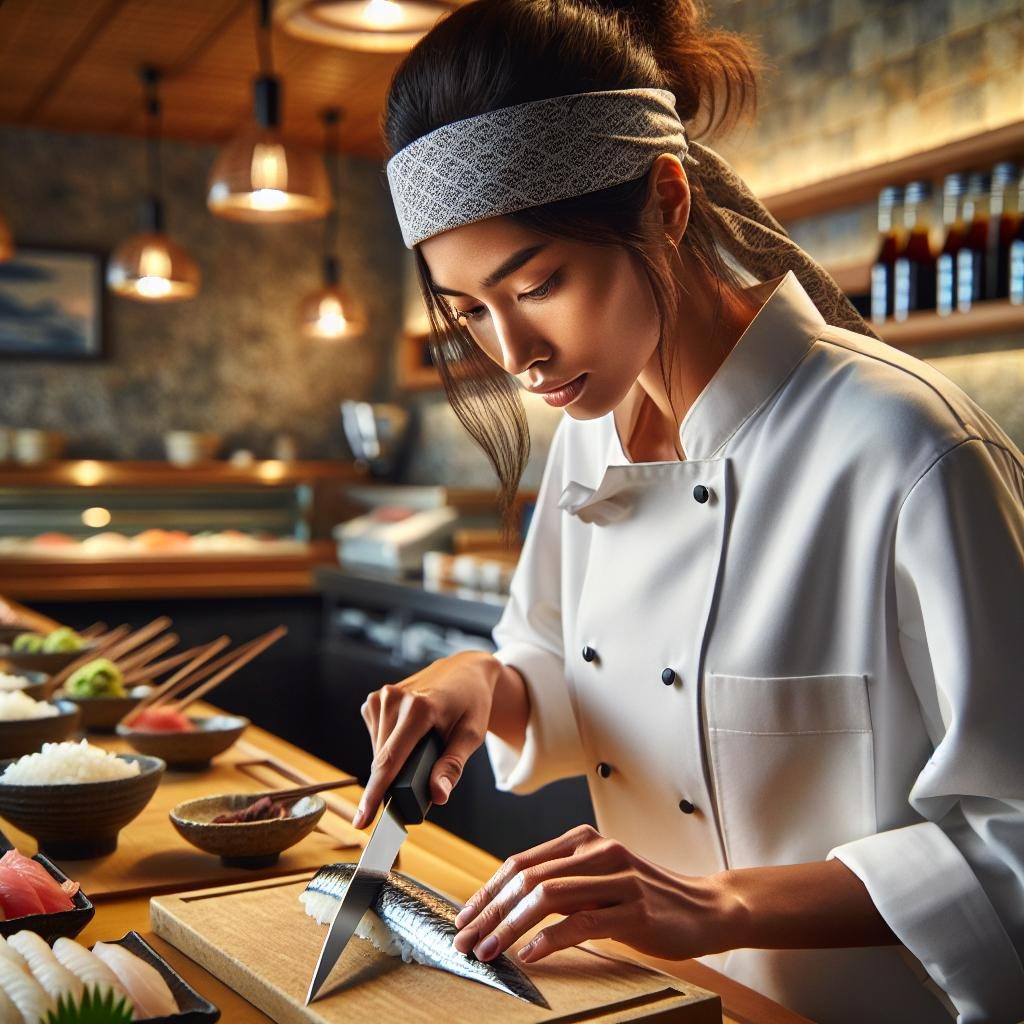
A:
(668, 196)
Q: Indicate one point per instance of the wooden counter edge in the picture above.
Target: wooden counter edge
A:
(740, 1004)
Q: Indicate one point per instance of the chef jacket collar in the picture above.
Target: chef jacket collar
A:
(766, 353)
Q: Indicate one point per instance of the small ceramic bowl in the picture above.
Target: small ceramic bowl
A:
(101, 714)
(43, 661)
(76, 821)
(27, 735)
(61, 922)
(40, 685)
(247, 844)
(188, 751)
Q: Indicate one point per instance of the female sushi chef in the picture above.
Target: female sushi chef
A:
(770, 603)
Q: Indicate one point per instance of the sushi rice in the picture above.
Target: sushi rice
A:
(11, 682)
(18, 706)
(63, 763)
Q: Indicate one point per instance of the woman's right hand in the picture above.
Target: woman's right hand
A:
(454, 695)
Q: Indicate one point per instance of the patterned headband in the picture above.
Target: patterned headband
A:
(533, 153)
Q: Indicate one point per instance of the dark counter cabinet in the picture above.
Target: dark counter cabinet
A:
(380, 629)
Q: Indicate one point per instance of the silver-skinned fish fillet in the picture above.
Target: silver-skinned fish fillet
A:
(415, 923)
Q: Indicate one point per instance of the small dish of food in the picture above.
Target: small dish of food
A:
(36, 895)
(46, 652)
(26, 724)
(245, 829)
(99, 690)
(37, 685)
(72, 982)
(185, 742)
(74, 798)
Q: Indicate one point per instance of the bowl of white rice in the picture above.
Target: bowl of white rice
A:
(26, 724)
(74, 798)
(37, 685)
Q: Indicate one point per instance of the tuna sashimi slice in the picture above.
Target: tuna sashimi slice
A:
(17, 895)
(50, 892)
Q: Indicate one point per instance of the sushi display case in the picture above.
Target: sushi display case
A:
(92, 530)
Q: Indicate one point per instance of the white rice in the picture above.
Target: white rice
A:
(9, 682)
(62, 763)
(17, 706)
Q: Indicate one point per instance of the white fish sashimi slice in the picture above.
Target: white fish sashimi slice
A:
(8, 952)
(142, 981)
(89, 969)
(26, 993)
(48, 971)
(9, 1012)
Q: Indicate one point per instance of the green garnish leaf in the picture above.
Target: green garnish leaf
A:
(93, 1008)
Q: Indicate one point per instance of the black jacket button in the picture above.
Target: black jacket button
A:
(604, 769)
(668, 677)
(701, 493)
(686, 807)
(589, 654)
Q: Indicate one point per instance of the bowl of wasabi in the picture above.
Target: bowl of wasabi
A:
(45, 652)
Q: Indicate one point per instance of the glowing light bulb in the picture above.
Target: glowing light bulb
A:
(331, 322)
(382, 14)
(96, 517)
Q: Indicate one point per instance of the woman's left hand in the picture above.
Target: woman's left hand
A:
(604, 891)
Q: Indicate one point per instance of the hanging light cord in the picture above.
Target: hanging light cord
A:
(264, 37)
(332, 146)
(150, 82)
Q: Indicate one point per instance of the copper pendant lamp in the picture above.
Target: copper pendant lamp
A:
(258, 176)
(378, 26)
(148, 266)
(331, 312)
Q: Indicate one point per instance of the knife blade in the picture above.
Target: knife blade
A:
(405, 803)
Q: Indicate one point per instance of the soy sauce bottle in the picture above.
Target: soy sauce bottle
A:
(1016, 275)
(971, 259)
(1003, 219)
(953, 188)
(890, 209)
(914, 269)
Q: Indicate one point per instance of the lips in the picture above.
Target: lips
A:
(565, 393)
(547, 389)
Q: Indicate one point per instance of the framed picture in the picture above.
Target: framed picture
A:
(416, 370)
(51, 304)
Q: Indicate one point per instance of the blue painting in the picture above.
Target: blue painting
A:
(51, 304)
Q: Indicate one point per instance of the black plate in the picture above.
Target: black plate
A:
(192, 1007)
(50, 926)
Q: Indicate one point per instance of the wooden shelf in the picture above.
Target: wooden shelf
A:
(929, 328)
(94, 473)
(980, 150)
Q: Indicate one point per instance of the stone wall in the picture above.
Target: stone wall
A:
(229, 361)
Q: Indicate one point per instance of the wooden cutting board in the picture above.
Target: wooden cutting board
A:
(257, 939)
(151, 857)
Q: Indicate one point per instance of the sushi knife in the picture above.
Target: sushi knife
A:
(405, 803)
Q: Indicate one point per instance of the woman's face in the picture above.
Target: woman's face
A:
(552, 312)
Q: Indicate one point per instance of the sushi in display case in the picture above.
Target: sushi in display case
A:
(68, 519)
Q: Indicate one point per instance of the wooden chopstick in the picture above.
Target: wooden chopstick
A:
(58, 678)
(179, 681)
(257, 646)
(138, 638)
(96, 630)
(146, 654)
(159, 667)
(298, 792)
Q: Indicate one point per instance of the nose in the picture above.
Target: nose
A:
(520, 344)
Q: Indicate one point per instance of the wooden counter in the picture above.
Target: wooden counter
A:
(151, 858)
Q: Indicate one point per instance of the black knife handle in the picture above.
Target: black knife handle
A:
(410, 792)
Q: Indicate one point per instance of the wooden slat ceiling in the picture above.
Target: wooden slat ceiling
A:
(72, 65)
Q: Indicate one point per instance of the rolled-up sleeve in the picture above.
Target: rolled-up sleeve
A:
(951, 887)
(529, 638)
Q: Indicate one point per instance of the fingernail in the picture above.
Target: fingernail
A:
(445, 785)
(357, 821)
(526, 953)
(487, 948)
(464, 915)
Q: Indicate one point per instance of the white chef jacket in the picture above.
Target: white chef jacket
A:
(834, 580)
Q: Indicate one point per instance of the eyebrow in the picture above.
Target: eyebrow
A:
(510, 266)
